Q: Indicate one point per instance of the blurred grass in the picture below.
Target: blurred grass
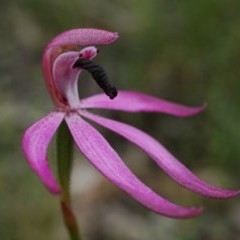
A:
(185, 51)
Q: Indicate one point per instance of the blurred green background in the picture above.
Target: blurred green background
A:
(184, 51)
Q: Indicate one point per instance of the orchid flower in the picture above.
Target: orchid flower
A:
(61, 73)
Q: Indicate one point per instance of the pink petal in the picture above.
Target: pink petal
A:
(163, 158)
(105, 159)
(131, 101)
(35, 143)
(84, 37)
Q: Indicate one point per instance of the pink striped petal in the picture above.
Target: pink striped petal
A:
(163, 158)
(105, 159)
(35, 143)
(131, 101)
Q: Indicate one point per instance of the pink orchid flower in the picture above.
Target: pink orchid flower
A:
(61, 75)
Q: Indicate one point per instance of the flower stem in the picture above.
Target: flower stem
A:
(64, 162)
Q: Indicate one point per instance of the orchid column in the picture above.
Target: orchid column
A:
(62, 64)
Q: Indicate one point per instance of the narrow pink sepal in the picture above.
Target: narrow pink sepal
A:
(105, 159)
(163, 158)
(84, 37)
(35, 143)
(131, 101)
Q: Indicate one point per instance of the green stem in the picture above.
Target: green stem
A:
(70, 221)
(64, 162)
